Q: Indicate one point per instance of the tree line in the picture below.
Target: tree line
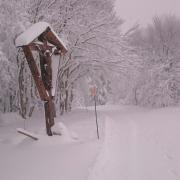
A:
(140, 66)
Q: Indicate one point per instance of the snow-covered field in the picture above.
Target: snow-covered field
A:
(135, 144)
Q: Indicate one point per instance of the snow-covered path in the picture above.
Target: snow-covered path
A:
(136, 144)
(139, 146)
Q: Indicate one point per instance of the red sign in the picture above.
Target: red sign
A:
(93, 91)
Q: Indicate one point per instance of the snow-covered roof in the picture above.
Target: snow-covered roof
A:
(33, 32)
(60, 40)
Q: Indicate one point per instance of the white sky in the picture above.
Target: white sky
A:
(142, 11)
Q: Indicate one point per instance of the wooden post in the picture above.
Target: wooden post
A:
(97, 126)
(45, 42)
(46, 73)
(43, 84)
(94, 94)
(35, 73)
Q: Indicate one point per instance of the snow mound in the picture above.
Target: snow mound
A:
(62, 135)
(62, 130)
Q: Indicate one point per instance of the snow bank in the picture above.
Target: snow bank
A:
(62, 135)
(55, 157)
(62, 130)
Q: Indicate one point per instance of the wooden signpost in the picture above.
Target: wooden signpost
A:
(94, 95)
(41, 38)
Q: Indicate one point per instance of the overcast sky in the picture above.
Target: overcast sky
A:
(142, 11)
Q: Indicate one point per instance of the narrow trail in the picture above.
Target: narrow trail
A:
(131, 152)
(117, 154)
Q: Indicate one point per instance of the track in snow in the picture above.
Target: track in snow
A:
(136, 149)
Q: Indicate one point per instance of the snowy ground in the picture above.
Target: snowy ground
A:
(136, 144)
(57, 157)
(140, 145)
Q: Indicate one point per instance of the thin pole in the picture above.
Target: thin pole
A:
(25, 124)
(96, 117)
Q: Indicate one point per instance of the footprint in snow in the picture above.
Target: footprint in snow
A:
(174, 172)
(169, 156)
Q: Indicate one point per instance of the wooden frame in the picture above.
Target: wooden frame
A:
(48, 43)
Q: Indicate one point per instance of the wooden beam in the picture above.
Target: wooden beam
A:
(38, 47)
(35, 73)
(49, 88)
(52, 38)
(46, 73)
(26, 133)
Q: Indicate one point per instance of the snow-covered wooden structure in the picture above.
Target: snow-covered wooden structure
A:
(41, 37)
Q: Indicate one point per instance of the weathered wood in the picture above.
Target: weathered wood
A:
(46, 73)
(35, 73)
(51, 37)
(38, 47)
(48, 43)
(35, 46)
(47, 118)
(26, 133)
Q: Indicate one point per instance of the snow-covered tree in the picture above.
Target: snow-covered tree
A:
(158, 47)
(11, 25)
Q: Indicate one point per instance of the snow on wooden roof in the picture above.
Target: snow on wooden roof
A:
(34, 32)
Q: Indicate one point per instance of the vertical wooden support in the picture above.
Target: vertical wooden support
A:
(46, 73)
(52, 38)
(35, 73)
(43, 84)
(47, 41)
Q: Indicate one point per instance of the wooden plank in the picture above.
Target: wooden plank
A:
(46, 73)
(52, 38)
(48, 78)
(35, 73)
(26, 133)
(39, 47)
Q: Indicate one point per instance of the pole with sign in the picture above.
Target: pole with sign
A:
(93, 94)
